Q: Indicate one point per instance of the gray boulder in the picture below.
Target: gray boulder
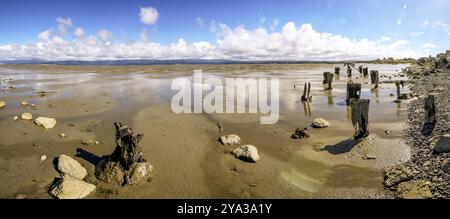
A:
(69, 166)
(247, 153)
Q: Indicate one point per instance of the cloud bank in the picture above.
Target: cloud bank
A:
(292, 42)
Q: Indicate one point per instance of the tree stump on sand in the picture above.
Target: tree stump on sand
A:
(306, 96)
(353, 92)
(365, 71)
(374, 78)
(360, 117)
(126, 165)
(337, 70)
(328, 79)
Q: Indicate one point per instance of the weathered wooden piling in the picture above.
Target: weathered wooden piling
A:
(328, 79)
(306, 92)
(337, 70)
(365, 71)
(349, 71)
(430, 110)
(353, 92)
(360, 117)
(360, 69)
(374, 78)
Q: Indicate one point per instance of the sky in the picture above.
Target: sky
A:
(232, 29)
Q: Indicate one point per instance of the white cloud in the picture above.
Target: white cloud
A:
(78, 32)
(399, 21)
(43, 36)
(429, 46)
(149, 15)
(292, 42)
(385, 38)
(104, 34)
(274, 24)
(199, 21)
(63, 25)
(417, 34)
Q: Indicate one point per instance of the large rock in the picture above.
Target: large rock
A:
(2, 104)
(414, 189)
(446, 165)
(70, 188)
(396, 174)
(442, 145)
(27, 116)
(320, 123)
(247, 153)
(230, 139)
(45, 122)
(69, 166)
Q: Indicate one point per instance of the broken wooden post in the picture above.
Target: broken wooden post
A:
(349, 71)
(360, 69)
(306, 91)
(353, 92)
(337, 70)
(360, 117)
(126, 165)
(430, 110)
(328, 79)
(365, 71)
(374, 78)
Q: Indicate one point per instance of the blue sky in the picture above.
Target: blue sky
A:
(424, 25)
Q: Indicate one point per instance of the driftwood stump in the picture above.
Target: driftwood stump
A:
(374, 78)
(349, 71)
(365, 71)
(126, 165)
(360, 69)
(306, 92)
(360, 117)
(353, 92)
(328, 79)
(337, 70)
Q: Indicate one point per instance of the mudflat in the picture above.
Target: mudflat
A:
(188, 159)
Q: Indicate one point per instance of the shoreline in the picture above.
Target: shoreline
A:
(425, 174)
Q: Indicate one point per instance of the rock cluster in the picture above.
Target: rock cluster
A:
(71, 184)
(300, 133)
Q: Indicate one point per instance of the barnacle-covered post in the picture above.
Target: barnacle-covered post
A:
(353, 92)
(337, 70)
(365, 71)
(306, 92)
(374, 78)
(430, 110)
(360, 117)
(328, 79)
(349, 71)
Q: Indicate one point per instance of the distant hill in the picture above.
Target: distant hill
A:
(188, 61)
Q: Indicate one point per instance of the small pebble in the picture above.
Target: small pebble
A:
(43, 158)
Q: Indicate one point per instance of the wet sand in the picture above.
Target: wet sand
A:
(189, 162)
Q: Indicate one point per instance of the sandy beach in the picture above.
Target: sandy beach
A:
(188, 159)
